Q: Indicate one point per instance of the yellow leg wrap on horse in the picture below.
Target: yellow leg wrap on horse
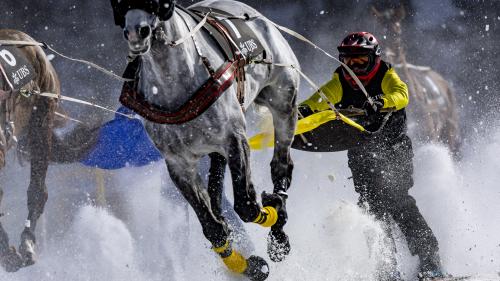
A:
(235, 262)
(231, 258)
(267, 217)
(220, 250)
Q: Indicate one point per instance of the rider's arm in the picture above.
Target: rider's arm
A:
(395, 91)
(332, 90)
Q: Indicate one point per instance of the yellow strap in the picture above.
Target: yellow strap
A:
(271, 216)
(220, 250)
(311, 122)
(236, 262)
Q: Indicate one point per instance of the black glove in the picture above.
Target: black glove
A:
(378, 104)
(304, 111)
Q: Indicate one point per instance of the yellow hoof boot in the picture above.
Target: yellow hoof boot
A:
(267, 217)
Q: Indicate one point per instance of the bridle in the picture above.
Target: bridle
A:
(162, 9)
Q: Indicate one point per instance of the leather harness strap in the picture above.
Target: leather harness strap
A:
(199, 103)
(229, 48)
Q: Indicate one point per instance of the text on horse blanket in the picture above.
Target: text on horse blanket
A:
(15, 67)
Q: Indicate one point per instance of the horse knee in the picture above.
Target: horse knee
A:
(281, 173)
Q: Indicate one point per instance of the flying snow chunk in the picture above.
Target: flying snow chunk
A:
(50, 57)
(322, 12)
(487, 27)
(46, 28)
(154, 90)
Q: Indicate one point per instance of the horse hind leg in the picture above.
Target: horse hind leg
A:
(281, 101)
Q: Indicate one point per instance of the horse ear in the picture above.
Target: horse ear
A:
(118, 13)
(166, 9)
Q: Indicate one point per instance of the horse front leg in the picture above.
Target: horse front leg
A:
(216, 182)
(281, 102)
(189, 182)
(40, 143)
(245, 202)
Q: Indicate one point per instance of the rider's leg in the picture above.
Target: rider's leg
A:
(419, 236)
(383, 181)
(366, 176)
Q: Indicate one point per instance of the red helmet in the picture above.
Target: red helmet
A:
(359, 44)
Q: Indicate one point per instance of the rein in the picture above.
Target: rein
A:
(292, 33)
(46, 46)
(61, 97)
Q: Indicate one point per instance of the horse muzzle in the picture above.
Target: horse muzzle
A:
(138, 38)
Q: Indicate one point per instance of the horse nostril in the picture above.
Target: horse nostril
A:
(125, 34)
(144, 31)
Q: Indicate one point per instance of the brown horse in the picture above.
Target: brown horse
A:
(433, 111)
(27, 120)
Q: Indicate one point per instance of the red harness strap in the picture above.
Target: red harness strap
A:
(204, 97)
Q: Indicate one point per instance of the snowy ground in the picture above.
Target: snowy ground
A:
(155, 239)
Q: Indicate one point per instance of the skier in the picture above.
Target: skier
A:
(382, 170)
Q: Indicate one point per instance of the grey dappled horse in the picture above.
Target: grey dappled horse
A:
(32, 118)
(169, 75)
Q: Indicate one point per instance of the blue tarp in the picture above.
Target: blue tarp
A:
(122, 142)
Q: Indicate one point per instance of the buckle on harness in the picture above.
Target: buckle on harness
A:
(26, 93)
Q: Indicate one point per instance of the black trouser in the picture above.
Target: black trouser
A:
(383, 174)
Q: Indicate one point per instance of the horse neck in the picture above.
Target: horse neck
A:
(170, 75)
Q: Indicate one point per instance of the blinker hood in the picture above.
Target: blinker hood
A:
(161, 8)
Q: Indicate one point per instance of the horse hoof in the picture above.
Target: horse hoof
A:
(257, 269)
(27, 251)
(279, 203)
(278, 245)
(12, 260)
(27, 248)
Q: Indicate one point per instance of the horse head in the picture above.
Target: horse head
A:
(139, 18)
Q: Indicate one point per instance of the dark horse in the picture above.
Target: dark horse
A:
(433, 113)
(167, 75)
(27, 119)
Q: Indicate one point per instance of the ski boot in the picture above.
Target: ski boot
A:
(255, 268)
(278, 244)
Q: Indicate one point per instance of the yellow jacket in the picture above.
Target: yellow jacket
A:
(394, 92)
